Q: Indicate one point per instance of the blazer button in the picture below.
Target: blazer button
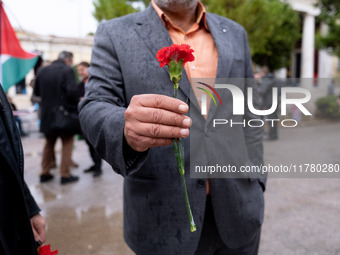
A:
(200, 183)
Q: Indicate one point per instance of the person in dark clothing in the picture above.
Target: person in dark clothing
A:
(21, 224)
(56, 85)
(267, 84)
(16, 118)
(96, 168)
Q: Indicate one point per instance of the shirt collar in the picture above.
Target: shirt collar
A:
(201, 15)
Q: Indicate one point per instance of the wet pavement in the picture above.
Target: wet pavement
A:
(83, 217)
(301, 215)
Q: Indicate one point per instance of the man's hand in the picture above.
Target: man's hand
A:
(38, 227)
(153, 120)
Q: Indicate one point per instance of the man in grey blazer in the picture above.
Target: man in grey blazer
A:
(130, 117)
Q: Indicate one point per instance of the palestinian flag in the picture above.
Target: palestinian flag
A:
(15, 63)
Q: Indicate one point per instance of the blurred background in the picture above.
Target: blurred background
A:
(297, 40)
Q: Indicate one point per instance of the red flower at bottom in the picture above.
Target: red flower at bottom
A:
(46, 250)
(175, 52)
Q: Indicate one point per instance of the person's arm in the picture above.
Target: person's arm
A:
(39, 228)
(122, 131)
(253, 135)
(32, 206)
(102, 110)
(37, 221)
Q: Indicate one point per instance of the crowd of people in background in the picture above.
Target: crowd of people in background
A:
(54, 85)
(59, 86)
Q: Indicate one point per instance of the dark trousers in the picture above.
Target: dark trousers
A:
(272, 134)
(211, 243)
(95, 157)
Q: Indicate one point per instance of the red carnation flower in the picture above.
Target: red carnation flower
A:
(46, 250)
(175, 58)
(176, 53)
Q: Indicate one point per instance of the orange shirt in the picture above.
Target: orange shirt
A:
(202, 42)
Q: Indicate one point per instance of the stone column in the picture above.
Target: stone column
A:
(308, 36)
(325, 59)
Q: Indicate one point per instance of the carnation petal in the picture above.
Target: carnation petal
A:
(175, 52)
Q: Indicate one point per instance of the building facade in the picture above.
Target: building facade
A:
(50, 46)
(307, 61)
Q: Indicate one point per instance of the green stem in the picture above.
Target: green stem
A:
(179, 153)
(191, 218)
(175, 90)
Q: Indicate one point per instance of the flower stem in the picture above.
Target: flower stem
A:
(179, 153)
(176, 90)
(191, 218)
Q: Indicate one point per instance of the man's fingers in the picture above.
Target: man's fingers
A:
(36, 235)
(154, 120)
(38, 227)
(160, 131)
(142, 143)
(161, 102)
(160, 116)
(159, 136)
(145, 143)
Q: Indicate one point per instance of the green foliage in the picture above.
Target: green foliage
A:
(146, 2)
(330, 15)
(328, 107)
(109, 9)
(329, 9)
(272, 27)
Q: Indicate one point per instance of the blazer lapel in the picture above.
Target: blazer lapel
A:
(222, 39)
(153, 32)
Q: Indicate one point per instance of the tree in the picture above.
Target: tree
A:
(330, 15)
(272, 27)
(109, 9)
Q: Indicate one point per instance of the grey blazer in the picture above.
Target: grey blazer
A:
(124, 64)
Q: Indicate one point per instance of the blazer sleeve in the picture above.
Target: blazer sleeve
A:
(32, 206)
(253, 135)
(103, 108)
(15, 149)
